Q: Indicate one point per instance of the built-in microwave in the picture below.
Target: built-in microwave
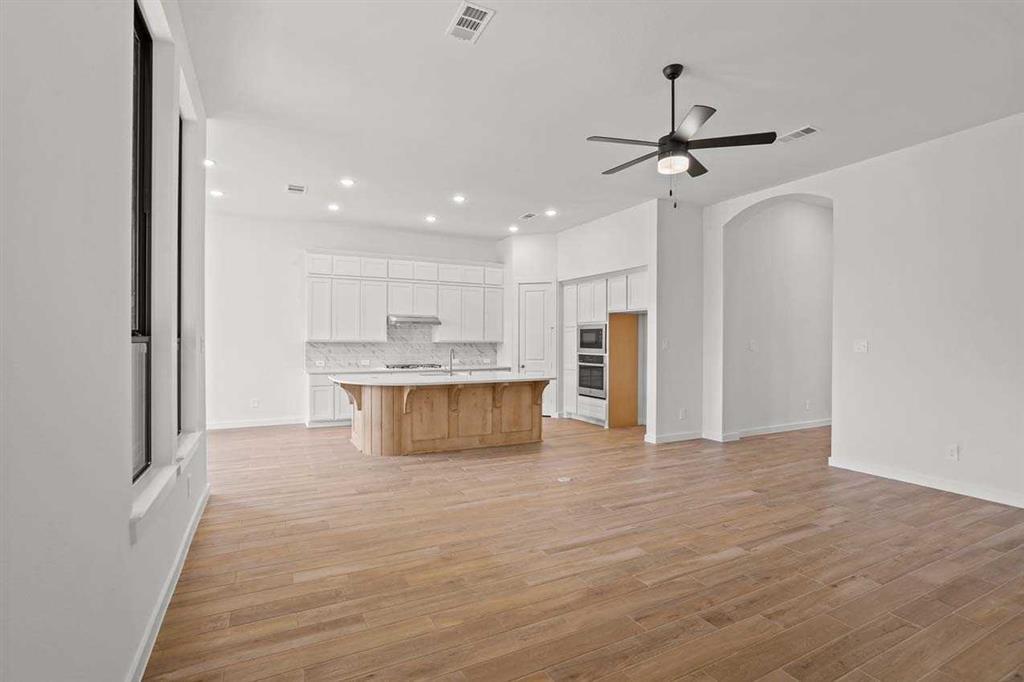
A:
(592, 338)
(591, 377)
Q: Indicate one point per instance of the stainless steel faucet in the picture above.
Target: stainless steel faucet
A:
(451, 360)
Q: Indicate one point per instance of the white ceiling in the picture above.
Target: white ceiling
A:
(309, 92)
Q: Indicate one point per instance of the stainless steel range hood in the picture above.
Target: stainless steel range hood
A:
(408, 320)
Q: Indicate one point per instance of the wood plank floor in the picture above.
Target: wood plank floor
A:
(591, 555)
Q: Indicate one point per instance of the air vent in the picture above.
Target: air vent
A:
(296, 189)
(527, 216)
(798, 133)
(469, 22)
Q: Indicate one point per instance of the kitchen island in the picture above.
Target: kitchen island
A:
(406, 414)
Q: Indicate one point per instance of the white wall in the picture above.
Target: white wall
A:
(778, 317)
(256, 309)
(529, 258)
(80, 599)
(615, 242)
(929, 269)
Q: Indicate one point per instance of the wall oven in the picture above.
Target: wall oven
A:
(592, 376)
(592, 338)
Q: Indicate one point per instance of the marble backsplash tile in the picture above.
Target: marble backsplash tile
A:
(404, 345)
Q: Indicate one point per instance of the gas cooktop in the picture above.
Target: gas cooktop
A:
(413, 365)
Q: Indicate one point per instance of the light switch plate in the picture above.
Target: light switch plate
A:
(860, 346)
(953, 452)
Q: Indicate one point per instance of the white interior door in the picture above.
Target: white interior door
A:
(537, 336)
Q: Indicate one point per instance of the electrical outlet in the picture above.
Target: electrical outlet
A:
(320, 363)
(364, 363)
(254, 403)
(860, 346)
(682, 414)
(752, 346)
(664, 344)
(953, 452)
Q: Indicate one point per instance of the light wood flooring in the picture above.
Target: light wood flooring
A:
(590, 555)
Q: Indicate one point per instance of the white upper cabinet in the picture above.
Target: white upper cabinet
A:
(585, 309)
(449, 310)
(447, 272)
(493, 314)
(600, 300)
(617, 299)
(472, 274)
(570, 293)
(424, 299)
(472, 314)
(348, 266)
(400, 298)
(374, 311)
(318, 309)
(318, 264)
(637, 291)
(425, 271)
(345, 306)
(494, 276)
(374, 267)
(400, 269)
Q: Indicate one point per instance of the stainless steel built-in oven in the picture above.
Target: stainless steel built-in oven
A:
(592, 376)
(592, 338)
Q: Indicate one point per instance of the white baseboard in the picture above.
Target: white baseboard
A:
(779, 428)
(320, 425)
(720, 437)
(243, 423)
(157, 618)
(1012, 498)
(672, 437)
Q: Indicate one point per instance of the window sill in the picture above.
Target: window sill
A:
(159, 482)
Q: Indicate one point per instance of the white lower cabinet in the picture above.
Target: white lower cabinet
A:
(569, 388)
(593, 409)
(321, 403)
(328, 402)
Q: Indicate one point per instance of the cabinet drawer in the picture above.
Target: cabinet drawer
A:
(591, 407)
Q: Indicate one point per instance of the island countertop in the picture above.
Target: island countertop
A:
(436, 378)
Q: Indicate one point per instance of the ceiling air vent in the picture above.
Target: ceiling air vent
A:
(527, 216)
(296, 189)
(469, 22)
(798, 133)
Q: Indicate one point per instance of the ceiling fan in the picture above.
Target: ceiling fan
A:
(674, 149)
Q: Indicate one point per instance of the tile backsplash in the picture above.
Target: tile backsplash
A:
(405, 344)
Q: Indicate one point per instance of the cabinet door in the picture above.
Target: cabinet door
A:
(447, 272)
(600, 300)
(472, 274)
(373, 317)
(321, 403)
(570, 306)
(493, 310)
(342, 404)
(617, 299)
(425, 271)
(400, 298)
(374, 267)
(345, 309)
(400, 269)
(585, 312)
(449, 310)
(424, 299)
(318, 309)
(569, 350)
(494, 276)
(472, 314)
(637, 291)
(347, 265)
(569, 391)
(318, 264)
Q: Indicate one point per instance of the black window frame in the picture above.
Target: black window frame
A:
(142, 154)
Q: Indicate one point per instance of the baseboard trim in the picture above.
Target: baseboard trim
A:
(657, 438)
(1014, 499)
(320, 425)
(720, 437)
(243, 423)
(156, 620)
(780, 428)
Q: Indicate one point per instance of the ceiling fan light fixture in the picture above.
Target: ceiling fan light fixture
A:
(674, 164)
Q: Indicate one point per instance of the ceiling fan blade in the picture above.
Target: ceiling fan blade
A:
(630, 163)
(691, 123)
(732, 141)
(621, 140)
(696, 167)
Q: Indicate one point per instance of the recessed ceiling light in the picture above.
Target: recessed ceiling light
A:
(333, 207)
(551, 213)
(347, 182)
(216, 193)
(459, 199)
(209, 163)
(513, 228)
(431, 218)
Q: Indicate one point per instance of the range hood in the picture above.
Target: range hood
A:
(407, 320)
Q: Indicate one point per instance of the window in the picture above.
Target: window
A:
(142, 96)
(177, 341)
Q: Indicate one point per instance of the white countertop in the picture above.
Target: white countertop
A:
(422, 379)
(396, 370)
